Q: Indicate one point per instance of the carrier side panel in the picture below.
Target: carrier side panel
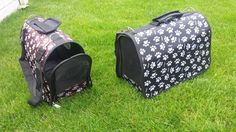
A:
(173, 52)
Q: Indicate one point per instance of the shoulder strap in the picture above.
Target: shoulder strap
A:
(35, 85)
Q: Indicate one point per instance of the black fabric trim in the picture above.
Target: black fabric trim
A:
(40, 54)
(118, 56)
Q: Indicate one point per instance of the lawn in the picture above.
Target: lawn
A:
(206, 103)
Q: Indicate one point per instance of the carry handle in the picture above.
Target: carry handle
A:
(168, 16)
(45, 27)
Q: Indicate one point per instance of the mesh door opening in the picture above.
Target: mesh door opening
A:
(130, 61)
(59, 54)
(71, 72)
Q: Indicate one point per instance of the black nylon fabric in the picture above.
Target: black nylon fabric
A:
(169, 50)
(44, 48)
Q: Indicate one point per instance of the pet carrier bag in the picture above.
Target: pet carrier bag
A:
(53, 64)
(172, 48)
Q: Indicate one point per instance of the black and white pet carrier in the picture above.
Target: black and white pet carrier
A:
(172, 48)
(53, 64)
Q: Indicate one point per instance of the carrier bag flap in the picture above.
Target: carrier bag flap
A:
(70, 72)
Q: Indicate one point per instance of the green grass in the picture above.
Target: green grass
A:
(206, 103)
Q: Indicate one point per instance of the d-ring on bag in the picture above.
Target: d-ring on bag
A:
(53, 64)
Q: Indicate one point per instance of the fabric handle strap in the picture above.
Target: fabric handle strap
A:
(167, 17)
(45, 27)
